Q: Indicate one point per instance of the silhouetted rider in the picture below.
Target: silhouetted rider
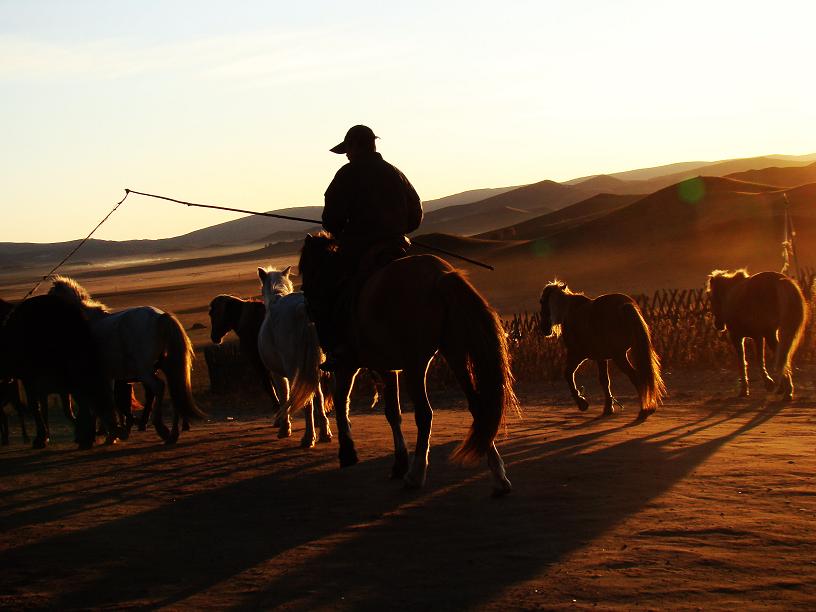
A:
(370, 206)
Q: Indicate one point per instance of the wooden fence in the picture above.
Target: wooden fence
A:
(679, 319)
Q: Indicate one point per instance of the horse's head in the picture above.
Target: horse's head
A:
(552, 307)
(274, 283)
(718, 285)
(318, 262)
(220, 320)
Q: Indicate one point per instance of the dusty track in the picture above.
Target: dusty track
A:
(709, 504)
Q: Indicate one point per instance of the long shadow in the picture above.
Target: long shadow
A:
(568, 492)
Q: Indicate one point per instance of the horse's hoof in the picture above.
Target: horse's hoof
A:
(744, 393)
(787, 398)
(770, 385)
(348, 458)
(503, 490)
(399, 469)
(410, 483)
(325, 437)
(276, 422)
(583, 405)
(124, 434)
(284, 433)
(644, 414)
(85, 445)
(185, 426)
(307, 442)
(609, 410)
(40, 443)
(111, 439)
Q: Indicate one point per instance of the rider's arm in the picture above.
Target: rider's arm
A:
(413, 211)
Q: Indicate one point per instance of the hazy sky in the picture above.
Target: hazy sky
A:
(237, 103)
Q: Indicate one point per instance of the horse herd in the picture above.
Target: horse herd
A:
(67, 343)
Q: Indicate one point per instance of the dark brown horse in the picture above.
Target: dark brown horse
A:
(406, 312)
(768, 307)
(608, 327)
(47, 344)
(244, 317)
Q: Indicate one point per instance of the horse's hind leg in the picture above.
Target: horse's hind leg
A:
(18, 406)
(283, 420)
(501, 484)
(569, 374)
(623, 364)
(4, 426)
(782, 367)
(739, 346)
(150, 399)
(35, 403)
(344, 381)
(320, 416)
(308, 439)
(603, 379)
(423, 415)
(759, 348)
(394, 416)
(156, 386)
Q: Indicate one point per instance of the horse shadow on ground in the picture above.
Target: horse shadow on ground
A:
(361, 533)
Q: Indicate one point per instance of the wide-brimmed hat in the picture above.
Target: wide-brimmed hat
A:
(358, 133)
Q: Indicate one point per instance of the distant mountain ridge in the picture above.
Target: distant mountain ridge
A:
(475, 212)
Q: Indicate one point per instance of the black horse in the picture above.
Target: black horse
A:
(47, 344)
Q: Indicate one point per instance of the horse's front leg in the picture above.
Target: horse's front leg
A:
(759, 347)
(573, 363)
(423, 415)
(739, 347)
(344, 378)
(603, 379)
(394, 416)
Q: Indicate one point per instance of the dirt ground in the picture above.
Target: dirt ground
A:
(710, 504)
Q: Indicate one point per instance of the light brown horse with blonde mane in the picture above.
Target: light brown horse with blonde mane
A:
(608, 327)
(406, 312)
(768, 307)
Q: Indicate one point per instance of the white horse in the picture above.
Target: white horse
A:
(288, 346)
(136, 342)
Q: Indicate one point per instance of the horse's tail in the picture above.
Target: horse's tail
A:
(645, 360)
(177, 363)
(793, 314)
(475, 346)
(306, 381)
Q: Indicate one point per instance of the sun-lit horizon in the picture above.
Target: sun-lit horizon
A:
(238, 106)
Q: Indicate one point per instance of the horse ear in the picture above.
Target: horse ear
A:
(286, 270)
(262, 275)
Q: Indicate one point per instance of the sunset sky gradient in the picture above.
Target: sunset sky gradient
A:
(238, 103)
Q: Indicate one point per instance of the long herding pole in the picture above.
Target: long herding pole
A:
(301, 219)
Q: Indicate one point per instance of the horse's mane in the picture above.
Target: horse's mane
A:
(727, 275)
(562, 286)
(66, 287)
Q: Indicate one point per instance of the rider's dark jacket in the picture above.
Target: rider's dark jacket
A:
(368, 202)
